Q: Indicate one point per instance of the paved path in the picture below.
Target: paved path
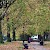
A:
(36, 46)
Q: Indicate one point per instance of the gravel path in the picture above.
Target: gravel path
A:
(36, 46)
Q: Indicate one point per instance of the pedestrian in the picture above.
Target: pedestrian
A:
(41, 40)
(29, 40)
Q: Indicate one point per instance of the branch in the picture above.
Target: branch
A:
(5, 12)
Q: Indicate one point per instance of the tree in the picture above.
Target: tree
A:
(36, 13)
(13, 29)
(8, 30)
(4, 5)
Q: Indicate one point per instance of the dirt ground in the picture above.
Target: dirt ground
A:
(17, 45)
(47, 44)
(11, 46)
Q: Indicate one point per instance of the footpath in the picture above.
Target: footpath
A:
(36, 46)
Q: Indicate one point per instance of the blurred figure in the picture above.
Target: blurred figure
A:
(29, 40)
(41, 40)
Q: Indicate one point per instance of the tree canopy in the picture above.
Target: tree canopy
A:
(34, 13)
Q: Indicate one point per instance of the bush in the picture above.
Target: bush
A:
(24, 37)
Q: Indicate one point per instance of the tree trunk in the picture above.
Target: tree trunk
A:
(1, 37)
(14, 37)
(8, 37)
(8, 33)
(45, 35)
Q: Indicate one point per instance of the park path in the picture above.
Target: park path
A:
(36, 46)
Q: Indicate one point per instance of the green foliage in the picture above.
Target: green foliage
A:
(1, 38)
(24, 37)
(31, 30)
(34, 13)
